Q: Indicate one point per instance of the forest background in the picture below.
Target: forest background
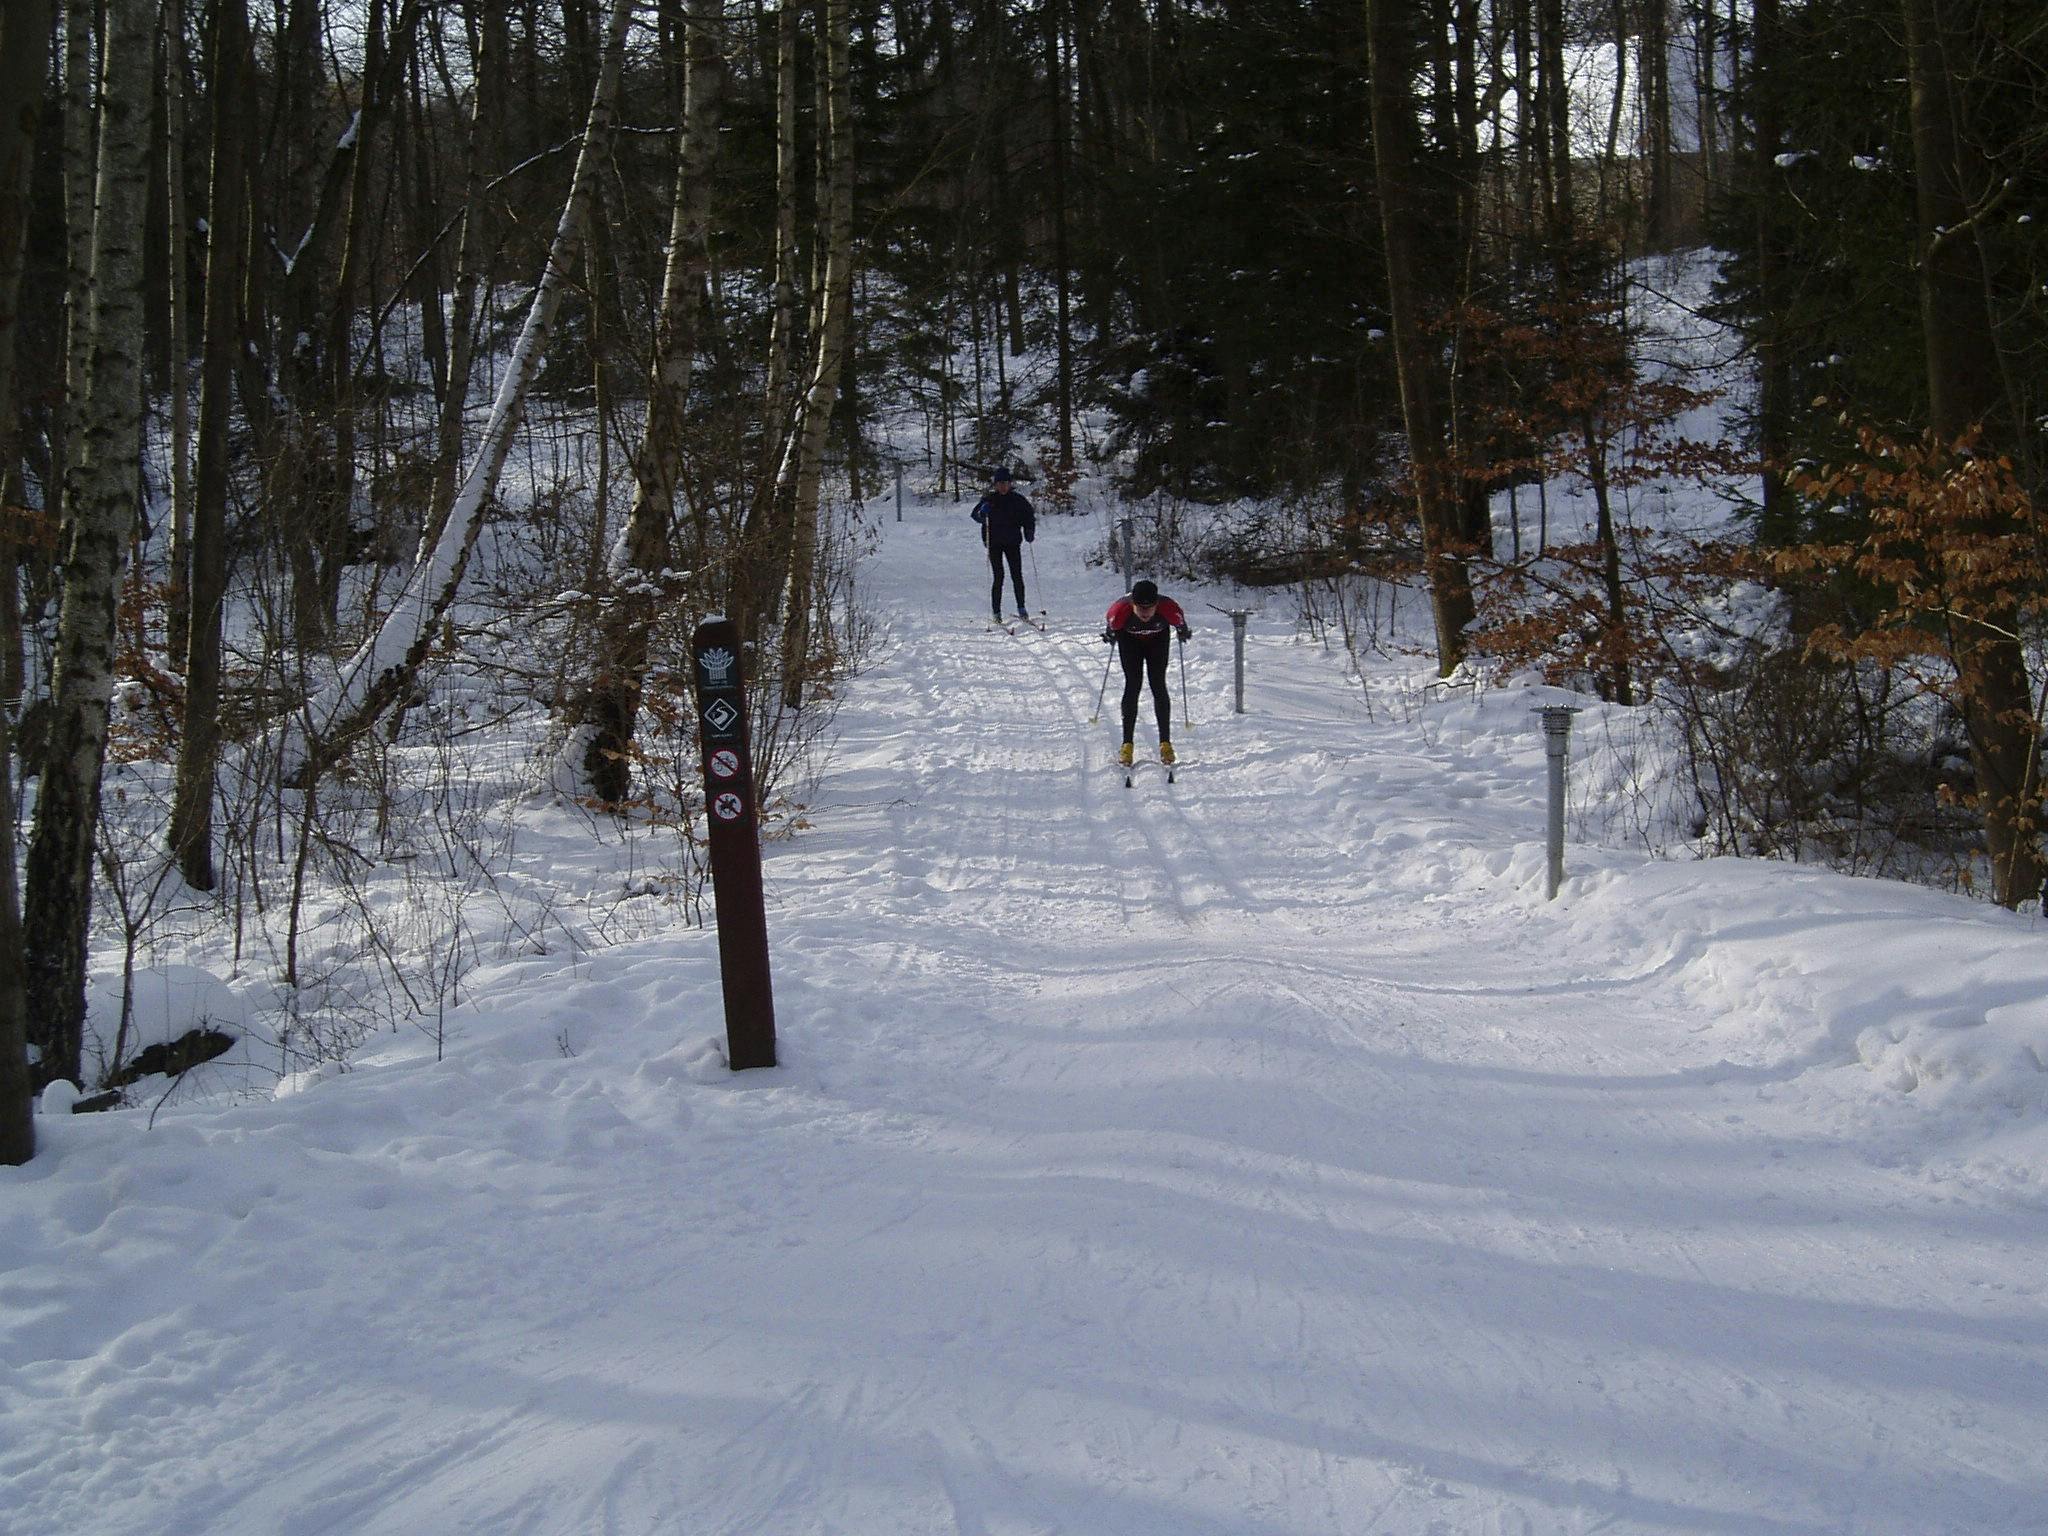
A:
(1313, 285)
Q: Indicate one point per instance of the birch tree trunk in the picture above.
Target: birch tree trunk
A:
(1395, 158)
(598, 759)
(803, 466)
(757, 572)
(17, 1089)
(99, 510)
(782, 333)
(81, 138)
(191, 826)
(383, 668)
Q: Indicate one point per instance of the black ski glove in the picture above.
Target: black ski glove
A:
(1183, 632)
(1109, 637)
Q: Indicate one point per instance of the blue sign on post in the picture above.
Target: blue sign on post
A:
(735, 845)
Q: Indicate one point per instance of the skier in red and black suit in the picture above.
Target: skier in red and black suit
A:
(1138, 626)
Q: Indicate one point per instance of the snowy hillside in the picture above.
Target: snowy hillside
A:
(1259, 1155)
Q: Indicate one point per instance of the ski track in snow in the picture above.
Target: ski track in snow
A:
(1253, 1156)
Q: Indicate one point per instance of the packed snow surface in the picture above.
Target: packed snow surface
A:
(1259, 1155)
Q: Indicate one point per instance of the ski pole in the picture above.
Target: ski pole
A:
(1181, 649)
(1032, 545)
(1102, 692)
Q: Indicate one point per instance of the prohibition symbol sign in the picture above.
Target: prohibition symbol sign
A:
(725, 762)
(728, 807)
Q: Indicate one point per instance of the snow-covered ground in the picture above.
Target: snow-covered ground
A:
(1260, 1155)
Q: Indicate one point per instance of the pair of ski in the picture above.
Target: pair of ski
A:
(1131, 769)
(1009, 626)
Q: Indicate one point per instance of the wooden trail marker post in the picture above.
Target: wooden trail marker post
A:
(735, 845)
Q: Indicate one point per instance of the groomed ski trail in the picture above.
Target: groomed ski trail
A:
(1599, 1276)
(1262, 1158)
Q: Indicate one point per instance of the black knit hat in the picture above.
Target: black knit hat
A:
(1144, 592)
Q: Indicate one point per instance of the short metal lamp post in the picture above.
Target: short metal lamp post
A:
(1237, 618)
(1557, 746)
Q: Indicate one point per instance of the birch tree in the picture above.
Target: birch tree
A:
(803, 463)
(598, 759)
(756, 574)
(99, 511)
(81, 136)
(383, 669)
(782, 328)
(17, 1089)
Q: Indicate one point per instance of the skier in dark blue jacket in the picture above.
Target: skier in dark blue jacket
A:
(1007, 525)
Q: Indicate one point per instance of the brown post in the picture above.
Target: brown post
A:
(735, 845)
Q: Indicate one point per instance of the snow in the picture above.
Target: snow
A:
(1259, 1154)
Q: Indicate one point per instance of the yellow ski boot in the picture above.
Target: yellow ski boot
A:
(1123, 754)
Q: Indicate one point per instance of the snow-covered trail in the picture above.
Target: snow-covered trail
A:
(1256, 1156)
(1455, 1222)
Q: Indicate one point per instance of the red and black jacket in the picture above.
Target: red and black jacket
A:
(1124, 623)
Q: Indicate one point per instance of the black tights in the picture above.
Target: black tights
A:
(1014, 553)
(1143, 662)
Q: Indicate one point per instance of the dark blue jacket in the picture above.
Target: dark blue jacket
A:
(1006, 519)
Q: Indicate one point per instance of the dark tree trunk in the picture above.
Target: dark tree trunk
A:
(1064, 401)
(24, 59)
(1964, 394)
(1774, 384)
(24, 50)
(191, 827)
(1396, 159)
